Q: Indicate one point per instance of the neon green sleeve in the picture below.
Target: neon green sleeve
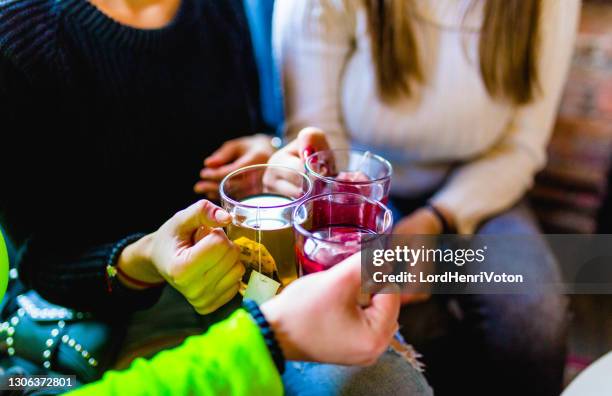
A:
(230, 359)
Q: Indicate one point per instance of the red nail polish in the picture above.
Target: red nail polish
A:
(308, 151)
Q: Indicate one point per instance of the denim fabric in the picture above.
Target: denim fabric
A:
(391, 375)
(496, 344)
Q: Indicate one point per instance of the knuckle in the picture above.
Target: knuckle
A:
(179, 216)
(260, 156)
(215, 240)
(202, 205)
(217, 237)
(176, 276)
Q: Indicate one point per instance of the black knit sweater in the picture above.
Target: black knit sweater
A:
(104, 128)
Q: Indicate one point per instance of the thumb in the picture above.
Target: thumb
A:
(202, 214)
(382, 313)
(311, 140)
(225, 154)
(383, 310)
(348, 274)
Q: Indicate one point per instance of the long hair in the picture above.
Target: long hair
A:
(507, 48)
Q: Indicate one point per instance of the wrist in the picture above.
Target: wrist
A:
(443, 217)
(422, 221)
(135, 267)
(272, 143)
(271, 311)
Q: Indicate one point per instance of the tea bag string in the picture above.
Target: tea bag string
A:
(258, 233)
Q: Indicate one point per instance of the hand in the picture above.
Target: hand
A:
(308, 141)
(232, 155)
(319, 318)
(420, 222)
(192, 255)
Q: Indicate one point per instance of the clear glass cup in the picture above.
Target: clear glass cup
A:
(331, 227)
(359, 172)
(262, 200)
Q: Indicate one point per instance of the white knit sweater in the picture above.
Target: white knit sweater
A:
(488, 150)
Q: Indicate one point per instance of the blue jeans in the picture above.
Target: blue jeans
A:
(391, 375)
(495, 344)
(172, 319)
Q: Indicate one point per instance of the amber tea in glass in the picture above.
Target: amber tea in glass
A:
(261, 200)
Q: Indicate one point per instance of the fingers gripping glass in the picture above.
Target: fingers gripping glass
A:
(359, 172)
(261, 200)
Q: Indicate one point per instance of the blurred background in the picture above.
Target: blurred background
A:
(571, 193)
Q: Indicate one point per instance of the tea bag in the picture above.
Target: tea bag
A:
(261, 266)
(261, 288)
(254, 255)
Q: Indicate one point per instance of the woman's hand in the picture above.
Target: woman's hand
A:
(421, 222)
(232, 155)
(192, 254)
(319, 318)
(308, 141)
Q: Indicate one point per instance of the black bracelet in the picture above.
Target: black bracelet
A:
(111, 261)
(446, 228)
(268, 334)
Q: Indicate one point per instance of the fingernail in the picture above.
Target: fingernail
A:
(308, 151)
(222, 216)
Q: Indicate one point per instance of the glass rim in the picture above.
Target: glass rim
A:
(297, 226)
(387, 164)
(232, 201)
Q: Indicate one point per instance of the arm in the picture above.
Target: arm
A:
(64, 266)
(331, 326)
(69, 236)
(231, 359)
(312, 42)
(498, 178)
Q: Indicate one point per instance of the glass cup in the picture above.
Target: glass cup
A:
(359, 172)
(331, 227)
(262, 200)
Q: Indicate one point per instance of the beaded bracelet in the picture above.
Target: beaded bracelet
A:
(111, 264)
(266, 331)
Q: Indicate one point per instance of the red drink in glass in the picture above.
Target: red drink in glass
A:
(331, 227)
(358, 172)
(345, 241)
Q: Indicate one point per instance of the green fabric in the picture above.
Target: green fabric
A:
(230, 359)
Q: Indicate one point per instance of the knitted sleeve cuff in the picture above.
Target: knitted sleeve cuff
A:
(138, 299)
(268, 334)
